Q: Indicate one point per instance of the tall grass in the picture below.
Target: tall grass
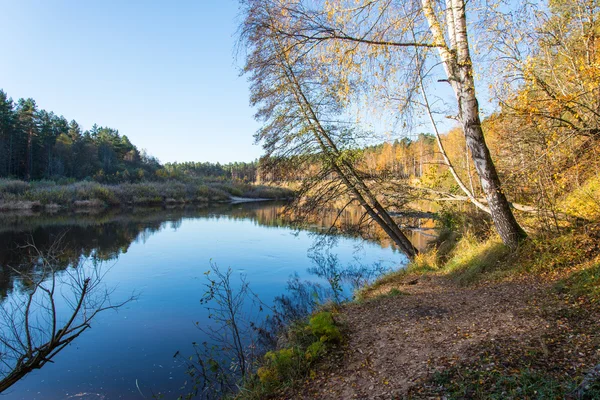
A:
(571, 256)
(16, 194)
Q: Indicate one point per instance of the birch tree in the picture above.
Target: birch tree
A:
(370, 50)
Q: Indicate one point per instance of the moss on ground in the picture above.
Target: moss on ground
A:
(282, 369)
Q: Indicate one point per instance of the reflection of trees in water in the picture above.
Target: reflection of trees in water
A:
(230, 352)
(303, 296)
(107, 234)
(97, 242)
(344, 279)
(51, 305)
(101, 236)
(300, 299)
(353, 221)
(240, 336)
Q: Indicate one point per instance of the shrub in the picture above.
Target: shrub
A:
(315, 350)
(584, 202)
(228, 188)
(323, 326)
(105, 195)
(13, 186)
(169, 191)
(308, 342)
(283, 365)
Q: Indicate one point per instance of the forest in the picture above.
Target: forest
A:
(36, 144)
(48, 162)
(536, 152)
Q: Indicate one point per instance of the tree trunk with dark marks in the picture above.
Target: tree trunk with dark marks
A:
(453, 48)
(507, 226)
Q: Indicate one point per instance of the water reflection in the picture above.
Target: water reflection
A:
(103, 236)
(163, 254)
(231, 349)
(239, 337)
(100, 236)
(303, 296)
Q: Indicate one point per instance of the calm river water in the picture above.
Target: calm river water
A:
(161, 257)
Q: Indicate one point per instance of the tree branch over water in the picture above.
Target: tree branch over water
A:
(33, 326)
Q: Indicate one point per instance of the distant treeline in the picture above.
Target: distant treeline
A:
(244, 171)
(404, 158)
(39, 145)
(36, 144)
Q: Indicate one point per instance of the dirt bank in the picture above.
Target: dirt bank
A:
(400, 346)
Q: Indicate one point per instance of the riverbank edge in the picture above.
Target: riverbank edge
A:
(49, 196)
(97, 204)
(561, 273)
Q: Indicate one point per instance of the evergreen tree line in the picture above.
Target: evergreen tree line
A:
(37, 144)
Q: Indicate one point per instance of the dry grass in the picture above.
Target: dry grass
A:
(19, 195)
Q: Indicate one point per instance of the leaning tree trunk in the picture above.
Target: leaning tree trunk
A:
(456, 60)
(352, 180)
(345, 170)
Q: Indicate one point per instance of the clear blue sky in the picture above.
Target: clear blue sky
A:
(161, 72)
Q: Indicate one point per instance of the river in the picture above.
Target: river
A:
(160, 258)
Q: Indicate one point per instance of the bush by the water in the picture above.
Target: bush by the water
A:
(307, 342)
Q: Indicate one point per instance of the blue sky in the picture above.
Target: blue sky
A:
(163, 73)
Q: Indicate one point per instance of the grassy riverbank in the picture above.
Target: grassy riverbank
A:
(21, 195)
(471, 319)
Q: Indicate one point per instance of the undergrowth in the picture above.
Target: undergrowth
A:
(495, 384)
(569, 259)
(468, 259)
(585, 282)
(306, 343)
